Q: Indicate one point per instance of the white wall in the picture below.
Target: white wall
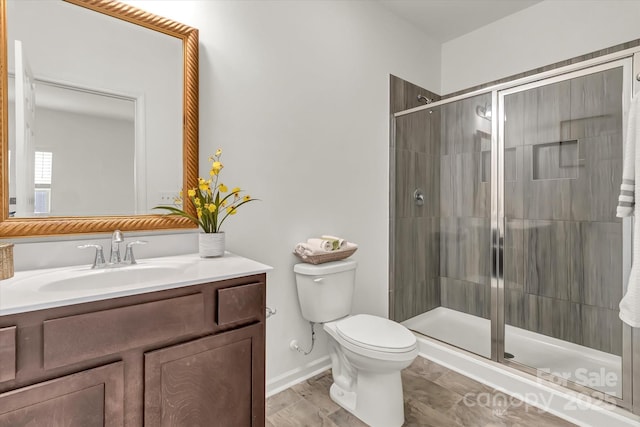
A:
(296, 94)
(548, 32)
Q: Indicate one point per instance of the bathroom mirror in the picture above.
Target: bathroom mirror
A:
(135, 75)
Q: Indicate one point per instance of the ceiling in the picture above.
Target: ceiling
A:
(445, 20)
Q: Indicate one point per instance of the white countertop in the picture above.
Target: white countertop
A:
(28, 290)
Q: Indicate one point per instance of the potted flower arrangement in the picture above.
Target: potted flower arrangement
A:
(214, 203)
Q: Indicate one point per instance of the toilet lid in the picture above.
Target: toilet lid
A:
(376, 333)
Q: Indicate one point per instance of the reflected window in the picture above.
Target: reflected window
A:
(42, 180)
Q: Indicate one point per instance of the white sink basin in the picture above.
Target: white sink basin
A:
(86, 279)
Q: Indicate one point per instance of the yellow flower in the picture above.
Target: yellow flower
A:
(223, 188)
(191, 192)
(246, 198)
(197, 202)
(203, 185)
(218, 152)
(199, 212)
(223, 203)
(211, 207)
(231, 210)
(235, 190)
(216, 166)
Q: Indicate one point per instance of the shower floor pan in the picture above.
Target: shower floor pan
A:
(582, 365)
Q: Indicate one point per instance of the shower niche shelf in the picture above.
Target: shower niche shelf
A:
(555, 160)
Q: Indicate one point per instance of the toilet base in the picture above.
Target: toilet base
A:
(346, 399)
(378, 399)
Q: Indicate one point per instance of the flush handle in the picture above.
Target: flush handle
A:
(270, 312)
(318, 279)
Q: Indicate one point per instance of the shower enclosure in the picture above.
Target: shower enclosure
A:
(504, 238)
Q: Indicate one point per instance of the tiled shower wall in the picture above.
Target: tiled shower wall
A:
(442, 248)
(416, 256)
(563, 242)
(563, 161)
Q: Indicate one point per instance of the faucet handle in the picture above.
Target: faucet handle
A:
(99, 260)
(128, 255)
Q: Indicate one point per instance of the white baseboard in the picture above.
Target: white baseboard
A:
(295, 376)
(566, 404)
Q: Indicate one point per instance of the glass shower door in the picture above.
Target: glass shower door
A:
(563, 254)
(442, 270)
(465, 226)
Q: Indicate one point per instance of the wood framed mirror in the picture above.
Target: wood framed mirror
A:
(12, 225)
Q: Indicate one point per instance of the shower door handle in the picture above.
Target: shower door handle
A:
(418, 197)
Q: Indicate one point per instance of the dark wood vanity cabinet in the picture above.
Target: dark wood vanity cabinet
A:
(192, 356)
(89, 398)
(183, 385)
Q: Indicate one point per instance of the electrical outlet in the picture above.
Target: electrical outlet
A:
(167, 198)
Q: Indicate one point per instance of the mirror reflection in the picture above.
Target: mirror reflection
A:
(95, 122)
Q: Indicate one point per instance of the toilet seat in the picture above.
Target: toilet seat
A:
(376, 333)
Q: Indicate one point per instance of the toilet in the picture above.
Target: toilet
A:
(367, 352)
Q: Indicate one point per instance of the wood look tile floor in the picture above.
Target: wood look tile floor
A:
(434, 396)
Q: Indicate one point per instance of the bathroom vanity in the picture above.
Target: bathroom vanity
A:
(183, 349)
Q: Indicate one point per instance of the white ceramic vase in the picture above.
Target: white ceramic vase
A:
(211, 244)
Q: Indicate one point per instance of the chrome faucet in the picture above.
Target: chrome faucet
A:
(116, 238)
(115, 260)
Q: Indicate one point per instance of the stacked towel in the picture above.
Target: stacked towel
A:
(303, 249)
(321, 244)
(317, 246)
(630, 304)
(337, 242)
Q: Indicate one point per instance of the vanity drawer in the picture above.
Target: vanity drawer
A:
(240, 304)
(7, 353)
(82, 337)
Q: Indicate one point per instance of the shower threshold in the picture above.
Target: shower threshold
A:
(572, 362)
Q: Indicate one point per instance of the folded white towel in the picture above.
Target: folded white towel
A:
(630, 304)
(341, 243)
(305, 250)
(321, 244)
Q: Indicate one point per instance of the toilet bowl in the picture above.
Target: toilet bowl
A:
(367, 352)
(366, 367)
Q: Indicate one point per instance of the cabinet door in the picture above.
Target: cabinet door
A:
(213, 381)
(90, 398)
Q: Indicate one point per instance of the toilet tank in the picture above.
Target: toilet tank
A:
(325, 291)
